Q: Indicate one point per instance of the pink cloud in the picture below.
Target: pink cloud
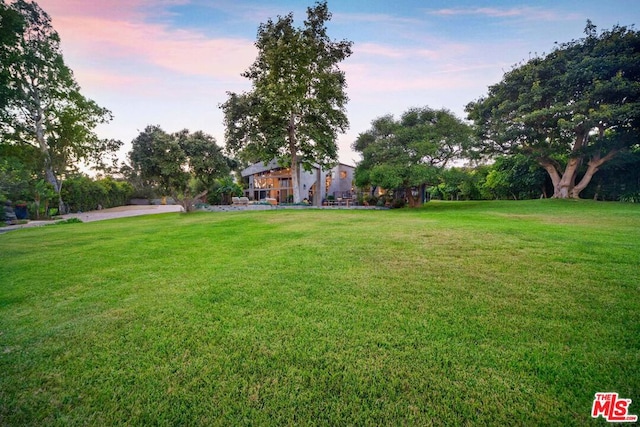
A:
(107, 9)
(182, 51)
(115, 30)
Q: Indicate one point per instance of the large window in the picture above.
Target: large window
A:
(274, 184)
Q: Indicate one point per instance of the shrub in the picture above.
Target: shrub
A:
(81, 193)
(630, 197)
(2, 200)
(398, 203)
(68, 221)
(371, 200)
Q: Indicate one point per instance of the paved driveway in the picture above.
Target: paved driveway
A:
(103, 214)
(123, 211)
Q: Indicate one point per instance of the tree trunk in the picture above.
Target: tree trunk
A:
(187, 201)
(564, 190)
(564, 186)
(38, 118)
(553, 173)
(317, 200)
(592, 168)
(293, 150)
(413, 201)
(44, 148)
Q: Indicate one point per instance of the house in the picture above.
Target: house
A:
(274, 182)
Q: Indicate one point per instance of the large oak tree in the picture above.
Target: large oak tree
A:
(297, 104)
(571, 110)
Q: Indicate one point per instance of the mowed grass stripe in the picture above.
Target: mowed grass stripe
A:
(511, 313)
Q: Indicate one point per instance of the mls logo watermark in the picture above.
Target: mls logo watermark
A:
(612, 408)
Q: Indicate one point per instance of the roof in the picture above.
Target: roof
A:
(273, 164)
(259, 167)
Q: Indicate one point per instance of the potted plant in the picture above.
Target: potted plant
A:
(20, 209)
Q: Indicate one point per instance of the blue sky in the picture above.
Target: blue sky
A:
(171, 62)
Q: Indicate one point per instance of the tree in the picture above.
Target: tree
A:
(515, 177)
(297, 104)
(409, 153)
(572, 110)
(176, 162)
(11, 27)
(619, 179)
(43, 106)
(459, 184)
(223, 190)
(19, 166)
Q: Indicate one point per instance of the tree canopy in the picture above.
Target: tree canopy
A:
(297, 104)
(176, 163)
(572, 110)
(408, 153)
(42, 105)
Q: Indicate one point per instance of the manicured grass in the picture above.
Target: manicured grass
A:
(468, 313)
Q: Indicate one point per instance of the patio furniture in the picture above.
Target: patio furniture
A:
(240, 201)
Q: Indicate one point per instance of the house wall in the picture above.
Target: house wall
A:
(342, 181)
(340, 184)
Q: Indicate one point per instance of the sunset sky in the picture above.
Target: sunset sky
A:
(171, 62)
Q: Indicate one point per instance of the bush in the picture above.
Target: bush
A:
(2, 200)
(371, 200)
(81, 193)
(630, 198)
(398, 203)
(68, 221)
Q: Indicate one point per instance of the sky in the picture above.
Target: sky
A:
(172, 62)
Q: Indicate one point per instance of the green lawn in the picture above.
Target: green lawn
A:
(467, 313)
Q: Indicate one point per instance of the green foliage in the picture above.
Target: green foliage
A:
(618, 179)
(177, 164)
(82, 193)
(297, 103)
(14, 176)
(630, 197)
(517, 177)
(43, 194)
(370, 200)
(68, 221)
(459, 184)
(11, 28)
(223, 190)
(398, 203)
(410, 152)
(42, 106)
(580, 104)
(466, 313)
